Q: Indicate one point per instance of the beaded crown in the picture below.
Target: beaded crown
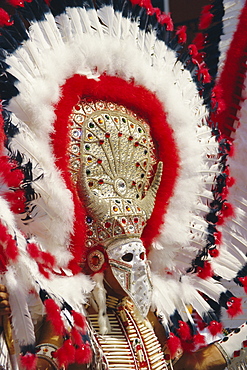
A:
(112, 157)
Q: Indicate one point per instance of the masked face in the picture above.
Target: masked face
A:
(130, 267)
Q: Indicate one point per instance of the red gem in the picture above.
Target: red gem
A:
(133, 183)
(137, 164)
(99, 161)
(236, 354)
(136, 143)
(89, 233)
(77, 107)
(101, 181)
(135, 220)
(138, 347)
(101, 142)
(90, 184)
(123, 220)
(143, 364)
(130, 138)
(107, 225)
(95, 260)
(107, 135)
(120, 134)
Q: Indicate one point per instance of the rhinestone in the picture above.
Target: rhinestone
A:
(90, 184)
(107, 135)
(128, 209)
(136, 143)
(100, 105)
(145, 151)
(115, 208)
(87, 147)
(107, 117)
(124, 220)
(136, 220)
(137, 164)
(124, 120)
(101, 181)
(111, 106)
(100, 120)
(102, 235)
(132, 125)
(101, 142)
(78, 118)
(131, 228)
(142, 175)
(130, 138)
(75, 149)
(89, 159)
(88, 109)
(107, 225)
(76, 133)
(89, 219)
(91, 124)
(77, 107)
(139, 129)
(90, 136)
(120, 134)
(88, 172)
(89, 233)
(99, 161)
(76, 164)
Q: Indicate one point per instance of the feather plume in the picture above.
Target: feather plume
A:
(21, 319)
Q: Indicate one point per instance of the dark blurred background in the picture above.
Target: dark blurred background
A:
(183, 12)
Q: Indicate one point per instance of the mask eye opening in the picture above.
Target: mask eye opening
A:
(128, 257)
(142, 256)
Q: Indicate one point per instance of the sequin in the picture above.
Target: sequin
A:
(79, 118)
(75, 149)
(76, 133)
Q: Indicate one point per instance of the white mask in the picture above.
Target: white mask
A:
(130, 267)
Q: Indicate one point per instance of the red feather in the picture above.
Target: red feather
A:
(79, 320)
(215, 327)
(243, 281)
(205, 271)
(184, 330)
(234, 305)
(54, 316)
(5, 18)
(29, 361)
(33, 250)
(174, 344)
(200, 40)
(181, 34)
(66, 354)
(83, 355)
(16, 3)
(76, 337)
(206, 17)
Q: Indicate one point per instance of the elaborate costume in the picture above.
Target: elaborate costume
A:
(115, 153)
